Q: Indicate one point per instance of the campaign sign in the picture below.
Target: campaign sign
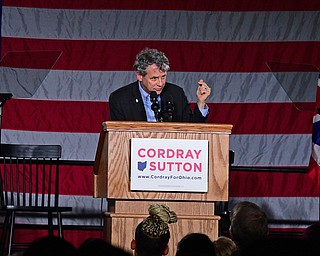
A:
(169, 165)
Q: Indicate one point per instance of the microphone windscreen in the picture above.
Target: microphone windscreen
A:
(153, 95)
(169, 99)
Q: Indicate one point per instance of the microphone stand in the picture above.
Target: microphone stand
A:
(155, 106)
(156, 109)
(169, 110)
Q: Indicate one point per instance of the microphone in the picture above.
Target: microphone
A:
(169, 109)
(154, 104)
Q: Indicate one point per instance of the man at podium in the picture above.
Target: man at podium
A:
(152, 99)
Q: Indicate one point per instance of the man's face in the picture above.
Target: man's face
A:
(154, 80)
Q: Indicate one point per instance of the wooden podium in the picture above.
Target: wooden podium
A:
(126, 208)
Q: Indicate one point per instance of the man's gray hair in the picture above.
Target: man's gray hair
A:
(149, 57)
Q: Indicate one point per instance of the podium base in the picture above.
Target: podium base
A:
(193, 217)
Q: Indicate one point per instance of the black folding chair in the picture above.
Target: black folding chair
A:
(29, 182)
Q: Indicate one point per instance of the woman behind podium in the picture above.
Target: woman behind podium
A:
(152, 234)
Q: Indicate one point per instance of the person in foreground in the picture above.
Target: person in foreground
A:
(99, 247)
(50, 246)
(249, 230)
(151, 98)
(196, 244)
(249, 225)
(224, 246)
(152, 234)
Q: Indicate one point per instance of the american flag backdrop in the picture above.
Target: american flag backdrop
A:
(314, 165)
(90, 47)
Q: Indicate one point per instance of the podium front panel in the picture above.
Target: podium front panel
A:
(112, 177)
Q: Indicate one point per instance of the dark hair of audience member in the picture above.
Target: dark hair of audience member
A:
(224, 246)
(99, 247)
(152, 234)
(50, 246)
(195, 244)
(312, 232)
(249, 224)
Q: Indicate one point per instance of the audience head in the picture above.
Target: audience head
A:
(195, 244)
(282, 247)
(312, 233)
(50, 246)
(152, 234)
(149, 57)
(99, 247)
(224, 246)
(248, 224)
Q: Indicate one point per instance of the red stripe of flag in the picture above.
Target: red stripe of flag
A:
(206, 56)
(195, 5)
(87, 116)
(272, 184)
(77, 180)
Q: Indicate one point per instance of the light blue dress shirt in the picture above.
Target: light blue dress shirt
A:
(147, 104)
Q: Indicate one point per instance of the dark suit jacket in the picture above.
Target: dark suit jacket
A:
(125, 104)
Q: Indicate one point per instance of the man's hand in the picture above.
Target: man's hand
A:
(203, 93)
